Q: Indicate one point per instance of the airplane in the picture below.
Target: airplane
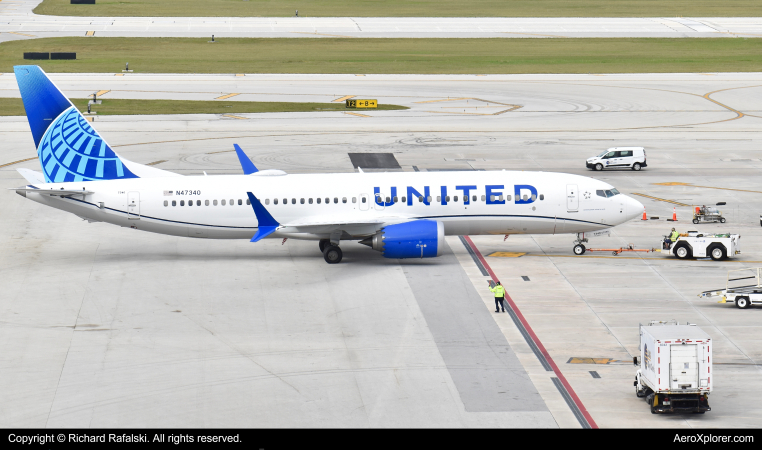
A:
(400, 214)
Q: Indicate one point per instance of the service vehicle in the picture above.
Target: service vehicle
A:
(695, 244)
(619, 157)
(707, 214)
(739, 288)
(675, 374)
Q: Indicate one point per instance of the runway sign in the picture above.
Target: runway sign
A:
(362, 103)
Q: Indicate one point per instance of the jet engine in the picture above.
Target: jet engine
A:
(416, 239)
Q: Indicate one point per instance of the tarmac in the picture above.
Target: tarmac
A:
(104, 326)
(17, 21)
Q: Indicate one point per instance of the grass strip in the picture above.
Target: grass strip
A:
(406, 8)
(403, 56)
(111, 107)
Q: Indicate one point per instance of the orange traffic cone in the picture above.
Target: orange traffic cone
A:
(674, 214)
(644, 214)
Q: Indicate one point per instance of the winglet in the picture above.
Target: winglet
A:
(246, 164)
(267, 225)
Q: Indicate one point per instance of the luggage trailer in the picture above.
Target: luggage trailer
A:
(744, 292)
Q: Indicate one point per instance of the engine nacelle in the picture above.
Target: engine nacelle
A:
(416, 239)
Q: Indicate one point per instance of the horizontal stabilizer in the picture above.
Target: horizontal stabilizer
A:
(53, 192)
(32, 176)
(265, 222)
(246, 164)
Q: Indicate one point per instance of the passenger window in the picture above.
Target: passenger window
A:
(301, 201)
(232, 202)
(190, 202)
(222, 202)
(542, 196)
(318, 200)
(174, 202)
(343, 200)
(267, 201)
(500, 197)
(388, 200)
(507, 197)
(354, 199)
(404, 199)
(240, 202)
(473, 198)
(166, 203)
(525, 197)
(198, 202)
(293, 201)
(455, 198)
(447, 198)
(396, 199)
(182, 202)
(285, 201)
(275, 201)
(492, 198)
(248, 202)
(310, 201)
(363, 199)
(439, 198)
(214, 202)
(206, 202)
(534, 197)
(420, 199)
(484, 198)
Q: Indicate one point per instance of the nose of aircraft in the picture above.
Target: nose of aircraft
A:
(632, 208)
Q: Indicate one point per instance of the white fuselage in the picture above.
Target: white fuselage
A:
(562, 203)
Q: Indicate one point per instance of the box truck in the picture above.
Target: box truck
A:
(675, 374)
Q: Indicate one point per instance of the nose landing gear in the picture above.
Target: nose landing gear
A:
(579, 244)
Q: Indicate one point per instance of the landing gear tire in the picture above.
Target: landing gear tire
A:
(323, 244)
(579, 249)
(717, 253)
(636, 167)
(599, 167)
(683, 252)
(743, 302)
(695, 221)
(722, 220)
(332, 254)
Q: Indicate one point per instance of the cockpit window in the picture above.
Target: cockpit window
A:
(606, 193)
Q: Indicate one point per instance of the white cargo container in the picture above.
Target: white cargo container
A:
(675, 373)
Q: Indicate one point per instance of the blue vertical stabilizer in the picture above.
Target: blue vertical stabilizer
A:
(68, 147)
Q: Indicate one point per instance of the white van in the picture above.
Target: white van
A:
(619, 157)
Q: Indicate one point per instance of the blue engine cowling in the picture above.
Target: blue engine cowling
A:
(416, 239)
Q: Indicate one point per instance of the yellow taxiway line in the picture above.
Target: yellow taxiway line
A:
(223, 97)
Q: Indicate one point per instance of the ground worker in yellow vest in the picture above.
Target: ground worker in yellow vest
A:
(499, 292)
(672, 238)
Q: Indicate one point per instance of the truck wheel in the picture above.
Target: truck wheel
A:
(579, 249)
(599, 167)
(743, 302)
(636, 166)
(683, 252)
(695, 221)
(722, 220)
(717, 253)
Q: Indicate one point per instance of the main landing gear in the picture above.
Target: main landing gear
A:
(331, 253)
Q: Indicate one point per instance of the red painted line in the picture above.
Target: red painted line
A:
(536, 340)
